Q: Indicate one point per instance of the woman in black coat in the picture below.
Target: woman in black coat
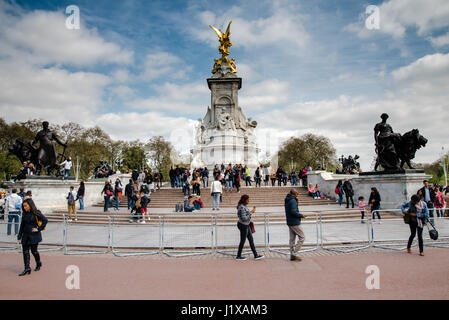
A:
(30, 234)
(374, 201)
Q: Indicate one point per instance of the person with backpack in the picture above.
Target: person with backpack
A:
(14, 205)
(71, 199)
(129, 192)
(33, 222)
(418, 215)
(135, 208)
(339, 192)
(108, 193)
(144, 201)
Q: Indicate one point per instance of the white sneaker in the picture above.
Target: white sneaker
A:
(70, 220)
(143, 222)
(76, 219)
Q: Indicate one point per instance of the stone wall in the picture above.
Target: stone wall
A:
(394, 189)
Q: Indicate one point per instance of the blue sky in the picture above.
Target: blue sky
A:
(139, 68)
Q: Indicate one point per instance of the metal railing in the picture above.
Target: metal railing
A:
(200, 234)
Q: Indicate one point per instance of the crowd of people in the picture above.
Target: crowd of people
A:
(28, 169)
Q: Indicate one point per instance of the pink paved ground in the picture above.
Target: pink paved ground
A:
(402, 276)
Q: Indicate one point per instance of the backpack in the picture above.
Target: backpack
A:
(138, 204)
(337, 190)
(179, 207)
(18, 204)
(70, 198)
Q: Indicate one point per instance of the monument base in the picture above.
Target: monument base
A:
(401, 171)
(50, 193)
(394, 189)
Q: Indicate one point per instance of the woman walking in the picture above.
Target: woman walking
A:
(374, 200)
(419, 214)
(216, 189)
(81, 192)
(245, 229)
(33, 222)
(108, 192)
(339, 191)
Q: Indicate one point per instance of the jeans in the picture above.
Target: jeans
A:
(172, 182)
(13, 215)
(248, 181)
(375, 208)
(185, 188)
(258, 182)
(131, 203)
(229, 185)
(245, 233)
(216, 200)
(66, 173)
(293, 181)
(117, 201)
(205, 182)
(431, 207)
(413, 228)
(178, 182)
(106, 203)
(340, 199)
(81, 200)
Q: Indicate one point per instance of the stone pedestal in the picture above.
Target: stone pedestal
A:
(50, 194)
(394, 189)
(224, 135)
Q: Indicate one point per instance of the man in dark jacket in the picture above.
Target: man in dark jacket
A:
(294, 221)
(129, 192)
(349, 192)
(428, 195)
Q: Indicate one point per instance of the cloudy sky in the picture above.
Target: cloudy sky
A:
(139, 68)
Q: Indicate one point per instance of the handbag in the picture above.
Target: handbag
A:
(251, 225)
(406, 218)
(433, 233)
(108, 193)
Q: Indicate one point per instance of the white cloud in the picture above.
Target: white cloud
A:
(58, 95)
(282, 27)
(398, 15)
(440, 41)
(163, 64)
(41, 37)
(123, 92)
(262, 94)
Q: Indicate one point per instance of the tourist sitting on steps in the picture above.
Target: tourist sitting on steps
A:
(311, 190)
(188, 204)
(197, 202)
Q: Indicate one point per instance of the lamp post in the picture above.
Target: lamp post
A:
(443, 163)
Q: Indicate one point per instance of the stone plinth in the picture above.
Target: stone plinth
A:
(225, 135)
(394, 189)
(50, 194)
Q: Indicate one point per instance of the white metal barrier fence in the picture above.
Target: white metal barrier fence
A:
(186, 235)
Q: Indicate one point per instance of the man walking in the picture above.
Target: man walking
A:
(71, 198)
(129, 193)
(294, 224)
(349, 192)
(428, 195)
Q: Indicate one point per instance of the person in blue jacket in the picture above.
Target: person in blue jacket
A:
(419, 214)
(294, 217)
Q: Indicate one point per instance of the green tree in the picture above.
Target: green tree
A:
(159, 151)
(133, 155)
(309, 149)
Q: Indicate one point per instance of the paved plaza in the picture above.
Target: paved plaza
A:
(321, 275)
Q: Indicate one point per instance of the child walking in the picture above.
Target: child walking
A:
(362, 206)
